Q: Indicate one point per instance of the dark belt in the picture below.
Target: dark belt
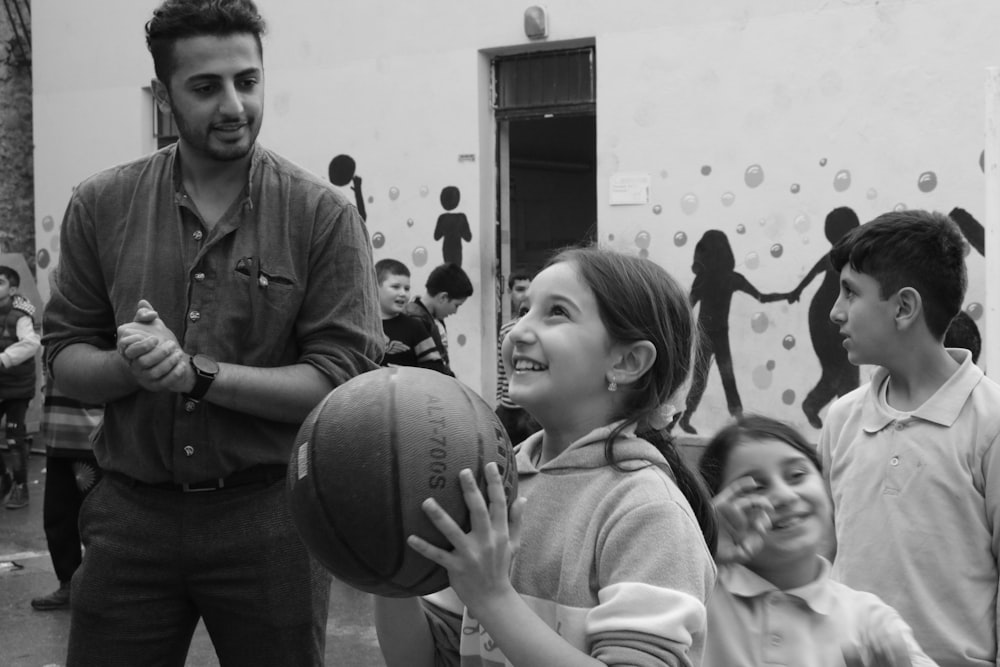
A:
(260, 474)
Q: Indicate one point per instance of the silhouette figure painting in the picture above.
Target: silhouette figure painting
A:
(838, 376)
(715, 282)
(342, 172)
(452, 227)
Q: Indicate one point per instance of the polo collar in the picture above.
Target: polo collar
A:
(741, 582)
(943, 408)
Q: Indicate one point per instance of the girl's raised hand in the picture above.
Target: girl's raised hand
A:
(744, 518)
(479, 563)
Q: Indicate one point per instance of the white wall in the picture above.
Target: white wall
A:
(805, 89)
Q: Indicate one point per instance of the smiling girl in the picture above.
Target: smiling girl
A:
(605, 559)
(774, 602)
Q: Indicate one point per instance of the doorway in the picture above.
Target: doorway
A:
(547, 159)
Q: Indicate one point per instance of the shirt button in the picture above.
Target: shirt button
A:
(194, 316)
(190, 406)
(189, 450)
(198, 277)
(776, 640)
(900, 426)
(894, 461)
(197, 235)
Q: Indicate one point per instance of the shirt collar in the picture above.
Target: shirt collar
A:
(943, 408)
(174, 164)
(741, 582)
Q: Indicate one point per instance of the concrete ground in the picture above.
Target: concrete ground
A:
(30, 638)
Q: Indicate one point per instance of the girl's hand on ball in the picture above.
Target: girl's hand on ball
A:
(479, 563)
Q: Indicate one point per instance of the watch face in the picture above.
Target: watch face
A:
(205, 365)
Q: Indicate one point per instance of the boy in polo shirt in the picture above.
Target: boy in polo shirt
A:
(911, 458)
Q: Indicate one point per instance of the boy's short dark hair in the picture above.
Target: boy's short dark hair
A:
(920, 249)
(179, 19)
(519, 274)
(964, 333)
(449, 278)
(12, 276)
(390, 267)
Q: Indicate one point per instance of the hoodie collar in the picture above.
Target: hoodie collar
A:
(631, 452)
(943, 408)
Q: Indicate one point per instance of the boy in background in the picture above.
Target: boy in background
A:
(912, 459)
(446, 289)
(515, 419)
(408, 342)
(19, 343)
(71, 472)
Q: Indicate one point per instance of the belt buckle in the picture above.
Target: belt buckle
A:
(201, 487)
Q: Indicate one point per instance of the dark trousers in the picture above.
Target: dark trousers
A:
(14, 411)
(158, 560)
(67, 482)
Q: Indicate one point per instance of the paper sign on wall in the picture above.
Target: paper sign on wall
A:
(629, 188)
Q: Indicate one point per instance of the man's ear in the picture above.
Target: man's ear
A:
(634, 360)
(161, 95)
(909, 307)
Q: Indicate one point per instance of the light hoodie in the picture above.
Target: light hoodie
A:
(613, 560)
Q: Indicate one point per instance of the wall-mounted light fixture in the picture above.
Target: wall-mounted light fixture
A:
(536, 22)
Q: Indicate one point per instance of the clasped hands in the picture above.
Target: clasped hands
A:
(155, 358)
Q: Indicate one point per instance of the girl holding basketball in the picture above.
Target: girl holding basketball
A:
(774, 602)
(605, 558)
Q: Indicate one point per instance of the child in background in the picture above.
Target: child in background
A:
(608, 561)
(71, 472)
(19, 344)
(408, 342)
(515, 419)
(913, 457)
(446, 289)
(774, 602)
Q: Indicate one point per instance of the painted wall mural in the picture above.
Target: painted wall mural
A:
(452, 228)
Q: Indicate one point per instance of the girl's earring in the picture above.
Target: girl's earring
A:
(612, 385)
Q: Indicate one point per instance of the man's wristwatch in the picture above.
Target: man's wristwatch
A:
(205, 369)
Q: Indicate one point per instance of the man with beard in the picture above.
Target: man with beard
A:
(246, 289)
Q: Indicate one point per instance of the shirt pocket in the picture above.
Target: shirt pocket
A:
(269, 296)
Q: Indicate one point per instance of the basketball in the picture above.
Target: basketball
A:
(366, 458)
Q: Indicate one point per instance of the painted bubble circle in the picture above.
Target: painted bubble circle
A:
(788, 397)
(409, 222)
(689, 203)
(642, 239)
(706, 170)
(927, 181)
(657, 209)
(899, 207)
(728, 198)
(822, 162)
(752, 261)
(644, 254)
(424, 190)
(872, 193)
(741, 229)
(611, 237)
(378, 240)
(461, 339)
(43, 258)
(801, 223)
(777, 250)
(680, 238)
(48, 223)
(982, 161)
(975, 310)
(842, 180)
(762, 222)
(761, 377)
(788, 342)
(419, 256)
(770, 364)
(753, 176)
(759, 322)
(795, 188)
(394, 193)
(663, 173)
(371, 199)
